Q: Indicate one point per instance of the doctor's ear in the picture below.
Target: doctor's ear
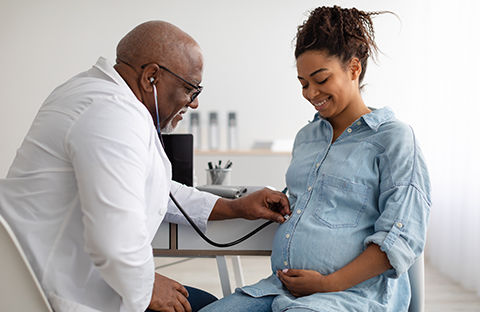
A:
(148, 77)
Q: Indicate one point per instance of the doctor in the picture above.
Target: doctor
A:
(90, 184)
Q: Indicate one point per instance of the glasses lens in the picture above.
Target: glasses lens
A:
(194, 95)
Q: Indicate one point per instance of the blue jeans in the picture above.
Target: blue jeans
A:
(238, 302)
(197, 298)
(241, 302)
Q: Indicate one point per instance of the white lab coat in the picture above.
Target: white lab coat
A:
(87, 192)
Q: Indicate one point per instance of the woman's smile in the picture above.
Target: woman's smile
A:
(321, 104)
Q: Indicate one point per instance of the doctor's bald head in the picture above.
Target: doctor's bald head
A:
(154, 42)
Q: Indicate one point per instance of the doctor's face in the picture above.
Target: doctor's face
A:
(179, 90)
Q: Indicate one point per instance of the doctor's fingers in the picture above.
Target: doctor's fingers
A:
(272, 216)
(278, 202)
(182, 304)
(270, 205)
(280, 208)
(180, 288)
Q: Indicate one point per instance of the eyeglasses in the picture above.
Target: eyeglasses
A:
(198, 89)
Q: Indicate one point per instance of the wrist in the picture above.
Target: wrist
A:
(332, 283)
(224, 209)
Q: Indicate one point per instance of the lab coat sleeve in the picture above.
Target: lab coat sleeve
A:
(108, 148)
(197, 204)
(404, 204)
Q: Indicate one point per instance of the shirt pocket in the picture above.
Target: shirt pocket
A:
(341, 203)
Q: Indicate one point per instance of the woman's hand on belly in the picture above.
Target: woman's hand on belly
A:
(304, 282)
(370, 263)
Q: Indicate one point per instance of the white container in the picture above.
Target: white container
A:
(232, 132)
(213, 132)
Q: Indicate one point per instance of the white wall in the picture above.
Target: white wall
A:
(248, 51)
(429, 75)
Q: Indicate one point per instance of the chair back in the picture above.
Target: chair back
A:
(416, 273)
(19, 287)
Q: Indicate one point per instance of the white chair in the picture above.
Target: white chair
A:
(19, 287)
(416, 273)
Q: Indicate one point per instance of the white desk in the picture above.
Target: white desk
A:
(182, 241)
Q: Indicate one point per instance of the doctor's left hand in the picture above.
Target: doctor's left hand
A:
(169, 296)
(263, 204)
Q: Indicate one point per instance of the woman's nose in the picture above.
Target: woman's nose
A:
(312, 93)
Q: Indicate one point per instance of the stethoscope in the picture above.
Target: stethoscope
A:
(192, 223)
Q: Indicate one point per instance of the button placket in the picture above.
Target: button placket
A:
(301, 203)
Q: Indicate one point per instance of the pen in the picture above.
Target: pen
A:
(212, 174)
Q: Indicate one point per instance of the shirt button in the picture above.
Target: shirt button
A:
(285, 262)
(349, 130)
(299, 211)
(359, 123)
(399, 225)
(309, 188)
(318, 165)
(287, 236)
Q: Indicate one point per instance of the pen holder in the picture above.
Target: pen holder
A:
(218, 176)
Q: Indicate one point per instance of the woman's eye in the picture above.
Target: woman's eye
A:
(304, 86)
(323, 81)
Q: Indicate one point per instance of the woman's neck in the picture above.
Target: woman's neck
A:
(351, 113)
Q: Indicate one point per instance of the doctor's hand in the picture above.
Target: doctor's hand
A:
(169, 296)
(263, 204)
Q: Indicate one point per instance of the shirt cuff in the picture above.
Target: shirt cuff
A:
(198, 205)
(399, 253)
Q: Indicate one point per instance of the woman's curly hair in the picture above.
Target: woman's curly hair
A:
(341, 33)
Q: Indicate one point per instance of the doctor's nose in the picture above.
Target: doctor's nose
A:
(194, 104)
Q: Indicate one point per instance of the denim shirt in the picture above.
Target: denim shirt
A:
(369, 186)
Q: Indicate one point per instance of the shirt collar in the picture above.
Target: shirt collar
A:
(106, 68)
(374, 119)
(378, 117)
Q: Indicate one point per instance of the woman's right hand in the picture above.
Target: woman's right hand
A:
(303, 282)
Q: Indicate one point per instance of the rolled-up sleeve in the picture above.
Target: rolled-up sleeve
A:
(401, 229)
(404, 204)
